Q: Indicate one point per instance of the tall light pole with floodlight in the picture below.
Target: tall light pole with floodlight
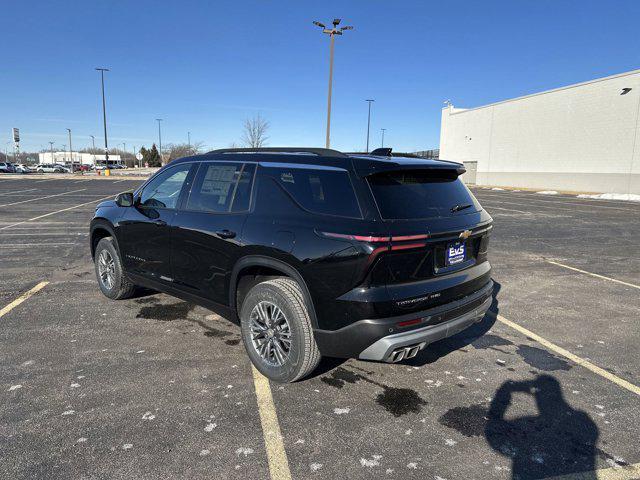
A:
(70, 149)
(51, 144)
(369, 121)
(383, 130)
(104, 116)
(332, 32)
(159, 138)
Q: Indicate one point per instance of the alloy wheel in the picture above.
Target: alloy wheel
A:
(270, 333)
(106, 269)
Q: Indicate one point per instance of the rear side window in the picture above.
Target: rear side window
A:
(327, 192)
(222, 188)
(415, 194)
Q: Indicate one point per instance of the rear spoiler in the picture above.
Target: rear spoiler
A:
(368, 170)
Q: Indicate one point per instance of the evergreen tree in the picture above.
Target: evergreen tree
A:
(151, 156)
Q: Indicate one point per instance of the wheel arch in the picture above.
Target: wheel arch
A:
(248, 263)
(101, 228)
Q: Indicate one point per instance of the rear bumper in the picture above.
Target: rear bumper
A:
(378, 339)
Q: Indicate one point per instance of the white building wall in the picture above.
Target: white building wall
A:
(84, 158)
(583, 137)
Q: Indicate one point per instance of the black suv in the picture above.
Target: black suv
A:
(312, 251)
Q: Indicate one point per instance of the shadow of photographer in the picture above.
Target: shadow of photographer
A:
(557, 441)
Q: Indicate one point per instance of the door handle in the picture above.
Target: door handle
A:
(225, 233)
(160, 223)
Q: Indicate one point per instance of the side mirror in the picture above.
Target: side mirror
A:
(125, 199)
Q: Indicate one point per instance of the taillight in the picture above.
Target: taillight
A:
(390, 241)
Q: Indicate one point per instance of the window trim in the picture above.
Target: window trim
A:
(229, 212)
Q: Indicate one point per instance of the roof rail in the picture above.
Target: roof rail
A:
(324, 152)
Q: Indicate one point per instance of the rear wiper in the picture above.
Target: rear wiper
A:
(457, 208)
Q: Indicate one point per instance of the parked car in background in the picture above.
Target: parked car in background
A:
(6, 167)
(21, 168)
(312, 251)
(52, 168)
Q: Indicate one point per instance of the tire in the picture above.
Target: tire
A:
(303, 355)
(109, 272)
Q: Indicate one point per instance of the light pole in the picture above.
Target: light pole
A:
(51, 144)
(70, 149)
(383, 130)
(368, 122)
(124, 150)
(93, 143)
(332, 32)
(189, 140)
(104, 116)
(159, 138)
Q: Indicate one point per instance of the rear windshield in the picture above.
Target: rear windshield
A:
(327, 192)
(421, 194)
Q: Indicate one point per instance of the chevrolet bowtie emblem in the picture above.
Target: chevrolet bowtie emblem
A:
(464, 235)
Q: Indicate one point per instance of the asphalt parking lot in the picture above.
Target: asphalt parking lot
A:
(154, 387)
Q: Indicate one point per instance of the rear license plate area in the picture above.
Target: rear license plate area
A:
(455, 253)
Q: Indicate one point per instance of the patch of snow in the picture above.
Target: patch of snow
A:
(210, 427)
(547, 192)
(14, 387)
(315, 467)
(204, 452)
(600, 407)
(244, 451)
(140, 351)
(408, 432)
(68, 412)
(127, 446)
(412, 465)
(81, 440)
(389, 471)
(626, 197)
(450, 442)
(498, 189)
(374, 462)
(148, 416)
(300, 441)
(341, 411)
(28, 362)
(75, 385)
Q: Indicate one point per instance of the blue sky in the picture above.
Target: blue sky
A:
(206, 66)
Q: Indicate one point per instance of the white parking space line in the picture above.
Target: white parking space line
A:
(125, 180)
(42, 198)
(490, 206)
(593, 274)
(276, 453)
(56, 212)
(574, 358)
(45, 244)
(18, 191)
(48, 234)
(6, 309)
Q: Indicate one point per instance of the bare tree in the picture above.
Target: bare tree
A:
(255, 132)
(179, 150)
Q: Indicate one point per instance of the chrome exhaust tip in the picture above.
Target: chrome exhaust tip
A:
(404, 353)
